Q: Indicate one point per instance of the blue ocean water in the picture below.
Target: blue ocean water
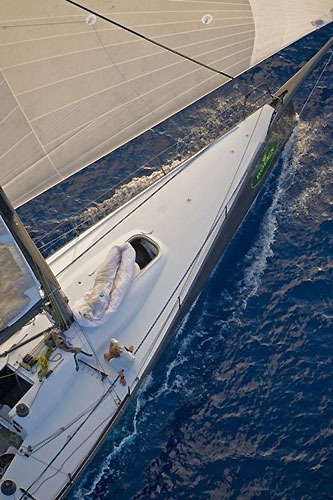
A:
(240, 404)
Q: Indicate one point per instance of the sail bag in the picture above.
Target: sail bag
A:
(112, 282)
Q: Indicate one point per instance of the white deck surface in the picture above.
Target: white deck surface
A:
(178, 213)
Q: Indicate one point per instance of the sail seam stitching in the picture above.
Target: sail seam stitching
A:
(116, 66)
(16, 143)
(145, 74)
(32, 129)
(130, 60)
(133, 32)
(122, 43)
(136, 121)
(132, 122)
(128, 102)
(8, 115)
(82, 33)
(107, 13)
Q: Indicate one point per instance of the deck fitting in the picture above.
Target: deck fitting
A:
(8, 487)
(22, 410)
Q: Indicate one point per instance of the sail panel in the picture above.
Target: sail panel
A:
(76, 87)
(19, 289)
(278, 24)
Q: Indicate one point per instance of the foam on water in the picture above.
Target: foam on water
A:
(255, 261)
(238, 406)
(306, 157)
(262, 249)
(176, 379)
(104, 468)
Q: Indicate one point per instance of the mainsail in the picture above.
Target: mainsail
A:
(73, 86)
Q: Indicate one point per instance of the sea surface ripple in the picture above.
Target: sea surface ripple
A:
(240, 404)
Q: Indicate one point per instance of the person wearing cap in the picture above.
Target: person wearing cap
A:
(122, 357)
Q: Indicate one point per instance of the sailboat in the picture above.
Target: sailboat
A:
(80, 330)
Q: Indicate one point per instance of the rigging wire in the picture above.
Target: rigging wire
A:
(181, 167)
(210, 232)
(316, 84)
(165, 47)
(150, 40)
(136, 92)
(101, 367)
(74, 451)
(50, 464)
(10, 374)
(213, 227)
(67, 442)
(120, 184)
(37, 446)
(214, 224)
(144, 166)
(48, 244)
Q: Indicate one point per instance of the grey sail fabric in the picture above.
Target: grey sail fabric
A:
(73, 87)
(19, 289)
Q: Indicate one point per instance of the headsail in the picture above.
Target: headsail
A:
(19, 288)
(74, 87)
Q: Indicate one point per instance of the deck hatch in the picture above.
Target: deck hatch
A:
(12, 387)
(146, 250)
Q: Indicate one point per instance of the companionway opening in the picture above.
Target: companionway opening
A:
(145, 249)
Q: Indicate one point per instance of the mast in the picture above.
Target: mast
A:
(55, 301)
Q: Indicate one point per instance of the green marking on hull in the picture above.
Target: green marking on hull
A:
(266, 160)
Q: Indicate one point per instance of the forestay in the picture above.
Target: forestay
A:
(74, 87)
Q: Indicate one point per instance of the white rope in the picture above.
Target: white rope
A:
(316, 84)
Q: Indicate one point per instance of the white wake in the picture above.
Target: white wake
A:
(254, 264)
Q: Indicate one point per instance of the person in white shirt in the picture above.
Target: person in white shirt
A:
(122, 357)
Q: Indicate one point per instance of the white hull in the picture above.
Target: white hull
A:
(183, 213)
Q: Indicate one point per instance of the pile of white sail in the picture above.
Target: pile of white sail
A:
(111, 285)
(73, 87)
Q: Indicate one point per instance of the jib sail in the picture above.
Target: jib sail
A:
(20, 291)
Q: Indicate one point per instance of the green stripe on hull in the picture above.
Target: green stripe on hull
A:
(266, 160)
